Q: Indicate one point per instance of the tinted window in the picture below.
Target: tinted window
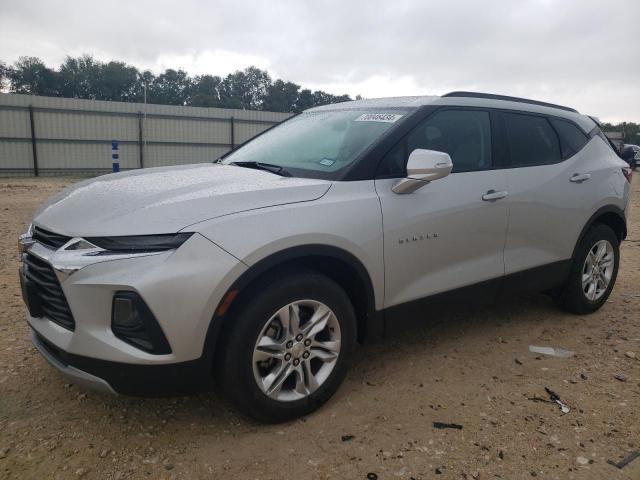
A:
(464, 134)
(572, 139)
(605, 139)
(394, 162)
(531, 140)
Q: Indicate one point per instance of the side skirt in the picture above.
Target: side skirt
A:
(538, 279)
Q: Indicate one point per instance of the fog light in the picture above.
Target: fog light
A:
(124, 314)
(133, 322)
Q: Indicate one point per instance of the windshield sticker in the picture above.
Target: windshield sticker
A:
(379, 117)
(327, 162)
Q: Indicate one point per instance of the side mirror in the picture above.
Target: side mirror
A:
(423, 166)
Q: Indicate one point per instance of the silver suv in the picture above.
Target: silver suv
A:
(262, 270)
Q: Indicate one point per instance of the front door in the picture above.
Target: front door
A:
(444, 235)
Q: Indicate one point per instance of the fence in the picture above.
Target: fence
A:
(62, 136)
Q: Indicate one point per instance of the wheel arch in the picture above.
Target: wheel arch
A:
(337, 264)
(609, 215)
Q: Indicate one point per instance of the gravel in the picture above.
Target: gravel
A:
(457, 367)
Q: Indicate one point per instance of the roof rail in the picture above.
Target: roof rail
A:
(491, 96)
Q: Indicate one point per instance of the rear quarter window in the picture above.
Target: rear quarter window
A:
(572, 139)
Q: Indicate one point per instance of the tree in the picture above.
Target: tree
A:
(117, 81)
(88, 78)
(308, 99)
(145, 79)
(173, 87)
(85, 77)
(630, 131)
(4, 75)
(79, 77)
(281, 96)
(30, 76)
(324, 98)
(245, 89)
(304, 101)
(206, 91)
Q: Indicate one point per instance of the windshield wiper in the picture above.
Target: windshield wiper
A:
(269, 167)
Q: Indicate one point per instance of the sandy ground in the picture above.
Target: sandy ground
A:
(470, 367)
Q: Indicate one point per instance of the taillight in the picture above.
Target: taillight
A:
(628, 173)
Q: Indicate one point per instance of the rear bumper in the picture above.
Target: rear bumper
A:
(127, 379)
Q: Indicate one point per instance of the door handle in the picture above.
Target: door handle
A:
(492, 195)
(580, 177)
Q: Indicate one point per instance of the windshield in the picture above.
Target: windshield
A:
(318, 144)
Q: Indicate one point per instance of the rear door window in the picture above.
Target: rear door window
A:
(572, 139)
(531, 140)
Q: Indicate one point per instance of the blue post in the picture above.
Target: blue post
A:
(115, 157)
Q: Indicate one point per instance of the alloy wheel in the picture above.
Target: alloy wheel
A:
(598, 270)
(296, 350)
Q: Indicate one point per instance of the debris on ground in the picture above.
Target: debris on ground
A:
(442, 426)
(518, 361)
(552, 352)
(372, 476)
(583, 376)
(346, 438)
(626, 460)
(554, 397)
(620, 376)
(631, 354)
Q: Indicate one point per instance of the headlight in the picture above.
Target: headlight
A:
(25, 240)
(140, 243)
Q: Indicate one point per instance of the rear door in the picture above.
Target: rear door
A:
(552, 184)
(444, 235)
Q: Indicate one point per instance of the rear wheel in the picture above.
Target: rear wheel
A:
(593, 273)
(289, 346)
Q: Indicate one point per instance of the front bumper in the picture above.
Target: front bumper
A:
(181, 287)
(79, 377)
(127, 379)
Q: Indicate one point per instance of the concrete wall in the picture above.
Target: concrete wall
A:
(73, 137)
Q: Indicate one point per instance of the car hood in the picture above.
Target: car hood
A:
(168, 199)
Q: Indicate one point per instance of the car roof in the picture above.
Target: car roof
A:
(465, 99)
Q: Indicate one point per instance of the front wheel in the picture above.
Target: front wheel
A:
(289, 346)
(593, 273)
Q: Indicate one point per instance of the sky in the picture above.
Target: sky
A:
(580, 53)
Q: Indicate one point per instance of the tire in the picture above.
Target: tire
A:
(578, 298)
(261, 318)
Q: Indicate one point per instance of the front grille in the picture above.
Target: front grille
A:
(49, 239)
(49, 291)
